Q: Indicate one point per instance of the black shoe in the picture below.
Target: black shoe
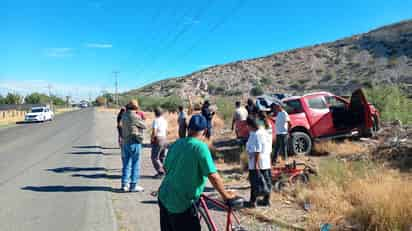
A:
(264, 203)
(250, 204)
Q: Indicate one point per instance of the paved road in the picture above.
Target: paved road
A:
(42, 176)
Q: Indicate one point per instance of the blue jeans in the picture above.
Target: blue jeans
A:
(131, 163)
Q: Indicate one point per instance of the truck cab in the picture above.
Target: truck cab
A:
(323, 115)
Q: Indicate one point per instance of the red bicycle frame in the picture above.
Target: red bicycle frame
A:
(229, 211)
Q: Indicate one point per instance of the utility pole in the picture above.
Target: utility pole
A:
(49, 86)
(116, 88)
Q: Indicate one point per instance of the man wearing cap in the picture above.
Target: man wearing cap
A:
(282, 129)
(188, 165)
(132, 133)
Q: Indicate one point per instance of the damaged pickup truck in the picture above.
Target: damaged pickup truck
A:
(323, 115)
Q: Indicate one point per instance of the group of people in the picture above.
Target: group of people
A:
(189, 164)
(131, 125)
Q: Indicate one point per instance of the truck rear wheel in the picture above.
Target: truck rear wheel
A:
(300, 143)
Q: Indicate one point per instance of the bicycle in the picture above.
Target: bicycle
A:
(230, 206)
(206, 221)
(290, 174)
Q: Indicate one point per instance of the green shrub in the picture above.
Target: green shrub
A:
(266, 81)
(234, 92)
(303, 81)
(225, 108)
(149, 103)
(257, 90)
(211, 88)
(12, 98)
(391, 102)
(37, 98)
(171, 103)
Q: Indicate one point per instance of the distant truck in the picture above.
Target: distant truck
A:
(323, 115)
(39, 114)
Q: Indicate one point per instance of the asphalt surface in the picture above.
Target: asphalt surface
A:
(45, 171)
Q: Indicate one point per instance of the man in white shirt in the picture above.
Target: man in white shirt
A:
(282, 130)
(259, 149)
(159, 142)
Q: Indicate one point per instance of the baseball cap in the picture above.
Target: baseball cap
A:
(197, 123)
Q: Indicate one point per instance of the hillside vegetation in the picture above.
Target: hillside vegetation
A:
(381, 56)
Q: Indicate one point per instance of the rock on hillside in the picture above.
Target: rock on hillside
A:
(381, 56)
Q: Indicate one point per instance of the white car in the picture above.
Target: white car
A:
(39, 114)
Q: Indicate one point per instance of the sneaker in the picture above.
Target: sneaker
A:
(125, 188)
(136, 188)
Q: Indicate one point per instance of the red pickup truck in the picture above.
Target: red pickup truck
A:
(323, 115)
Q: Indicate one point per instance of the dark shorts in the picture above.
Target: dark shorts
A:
(186, 221)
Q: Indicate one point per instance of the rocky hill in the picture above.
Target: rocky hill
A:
(381, 56)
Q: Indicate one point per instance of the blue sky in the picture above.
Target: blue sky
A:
(76, 45)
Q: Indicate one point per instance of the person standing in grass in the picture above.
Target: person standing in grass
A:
(181, 121)
(282, 126)
(159, 142)
(132, 133)
(208, 114)
(259, 149)
(251, 108)
(188, 166)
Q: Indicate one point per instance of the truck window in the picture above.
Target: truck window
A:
(317, 103)
(335, 102)
(293, 106)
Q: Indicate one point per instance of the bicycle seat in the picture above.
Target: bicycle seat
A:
(236, 202)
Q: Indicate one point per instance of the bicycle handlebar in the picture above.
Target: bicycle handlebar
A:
(236, 202)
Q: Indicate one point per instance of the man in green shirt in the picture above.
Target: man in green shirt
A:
(188, 165)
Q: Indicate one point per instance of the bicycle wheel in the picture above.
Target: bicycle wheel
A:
(300, 179)
(204, 220)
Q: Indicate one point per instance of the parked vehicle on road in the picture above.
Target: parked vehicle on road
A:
(323, 115)
(84, 104)
(39, 114)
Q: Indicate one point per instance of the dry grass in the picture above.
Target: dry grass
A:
(360, 196)
(381, 202)
(339, 148)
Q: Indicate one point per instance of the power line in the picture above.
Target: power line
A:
(180, 33)
(150, 51)
(223, 20)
